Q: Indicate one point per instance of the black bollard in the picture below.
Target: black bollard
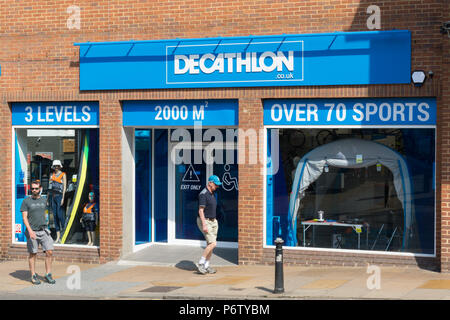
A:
(279, 279)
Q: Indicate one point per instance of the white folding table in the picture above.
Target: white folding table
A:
(356, 227)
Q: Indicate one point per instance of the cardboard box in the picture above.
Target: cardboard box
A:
(69, 145)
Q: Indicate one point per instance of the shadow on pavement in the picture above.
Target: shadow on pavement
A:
(21, 275)
(265, 289)
(186, 265)
(227, 254)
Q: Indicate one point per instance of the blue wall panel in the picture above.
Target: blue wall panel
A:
(181, 113)
(341, 58)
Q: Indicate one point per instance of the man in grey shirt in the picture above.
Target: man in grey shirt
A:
(33, 213)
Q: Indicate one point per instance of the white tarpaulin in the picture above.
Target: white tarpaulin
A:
(350, 153)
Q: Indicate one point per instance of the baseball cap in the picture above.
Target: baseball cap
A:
(215, 179)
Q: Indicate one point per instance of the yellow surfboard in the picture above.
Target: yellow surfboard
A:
(79, 190)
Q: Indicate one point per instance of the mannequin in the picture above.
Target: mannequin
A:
(57, 187)
(70, 192)
(90, 218)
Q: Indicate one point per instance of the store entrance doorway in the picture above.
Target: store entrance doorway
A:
(190, 171)
(169, 175)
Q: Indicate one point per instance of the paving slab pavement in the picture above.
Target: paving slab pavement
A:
(117, 280)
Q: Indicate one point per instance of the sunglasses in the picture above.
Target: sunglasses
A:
(35, 188)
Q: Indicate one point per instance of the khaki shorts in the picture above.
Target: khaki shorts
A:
(43, 237)
(213, 227)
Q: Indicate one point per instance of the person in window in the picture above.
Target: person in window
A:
(57, 189)
(90, 218)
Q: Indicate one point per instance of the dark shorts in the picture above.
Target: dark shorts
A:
(89, 225)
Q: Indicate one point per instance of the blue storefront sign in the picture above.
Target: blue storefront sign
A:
(261, 61)
(55, 113)
(180, 113)
(341, 58)
(350, 112)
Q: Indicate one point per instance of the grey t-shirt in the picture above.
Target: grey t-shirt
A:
(36, 212)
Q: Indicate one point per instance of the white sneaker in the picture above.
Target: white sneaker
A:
(201, 268)
(211, 270)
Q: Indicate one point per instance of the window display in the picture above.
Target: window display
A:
(345, 188)
(65, 161)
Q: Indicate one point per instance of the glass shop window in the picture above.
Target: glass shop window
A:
(65, 161)
(358, 189)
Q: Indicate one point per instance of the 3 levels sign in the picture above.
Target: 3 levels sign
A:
(55, 113)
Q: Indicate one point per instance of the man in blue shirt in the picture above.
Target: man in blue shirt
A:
(207, 222)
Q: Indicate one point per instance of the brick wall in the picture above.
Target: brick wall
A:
(38, 49)
(5, 176)
(444, 155)
(40, 63)
(66, 254)
(250, 181)
(110, 179)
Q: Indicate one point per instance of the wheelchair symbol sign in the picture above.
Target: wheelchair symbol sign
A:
(229, 183)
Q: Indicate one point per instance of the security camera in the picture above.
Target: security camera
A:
(445, 28)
